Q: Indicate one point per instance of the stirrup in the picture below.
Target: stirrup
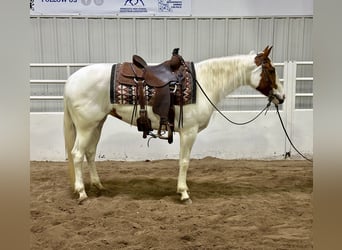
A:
(167, 127)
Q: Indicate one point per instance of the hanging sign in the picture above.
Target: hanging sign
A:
(111, 7)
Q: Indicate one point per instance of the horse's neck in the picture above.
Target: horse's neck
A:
(221, 76)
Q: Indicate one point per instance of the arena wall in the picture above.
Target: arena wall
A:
(263, 139)
(215, 28)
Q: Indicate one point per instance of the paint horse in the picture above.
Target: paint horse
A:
(87, 105)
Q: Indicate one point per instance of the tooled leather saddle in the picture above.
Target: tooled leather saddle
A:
(162, 86)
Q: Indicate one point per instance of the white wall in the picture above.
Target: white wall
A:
(252, 8)
(263, 138)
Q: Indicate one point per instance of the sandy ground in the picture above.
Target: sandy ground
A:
(237, 204)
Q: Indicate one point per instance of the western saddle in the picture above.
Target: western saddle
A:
(165, 78)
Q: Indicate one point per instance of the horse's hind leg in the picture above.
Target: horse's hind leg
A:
(78, 157)
(94, 177)
(84, 140)
(90, 156)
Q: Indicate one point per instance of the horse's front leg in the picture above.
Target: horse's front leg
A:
(187, 139)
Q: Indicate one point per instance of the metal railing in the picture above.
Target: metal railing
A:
(67, 67)
(289, 80)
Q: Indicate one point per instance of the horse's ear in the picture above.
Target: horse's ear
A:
(267, 51)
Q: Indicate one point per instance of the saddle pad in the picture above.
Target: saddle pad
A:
(126, 93)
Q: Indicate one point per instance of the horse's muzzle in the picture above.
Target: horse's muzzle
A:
(276, 99)
(281, 100)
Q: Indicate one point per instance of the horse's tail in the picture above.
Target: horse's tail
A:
(69, 139)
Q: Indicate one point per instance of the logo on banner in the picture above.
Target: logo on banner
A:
(134, 2)
(137, 6)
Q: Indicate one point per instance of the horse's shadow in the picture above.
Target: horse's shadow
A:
(135, 188)
(159, 188)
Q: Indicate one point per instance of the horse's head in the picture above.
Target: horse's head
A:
(265, 79)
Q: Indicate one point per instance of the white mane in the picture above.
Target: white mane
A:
(225, 73)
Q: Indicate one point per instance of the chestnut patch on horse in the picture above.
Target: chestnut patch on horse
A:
(268, 73)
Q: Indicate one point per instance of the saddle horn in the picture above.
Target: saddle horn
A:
(176, 60)
(175, 51)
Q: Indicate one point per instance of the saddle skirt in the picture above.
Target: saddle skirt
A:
(123, 87)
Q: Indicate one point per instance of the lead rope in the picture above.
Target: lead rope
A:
(288, 137)
(264, 109)
(225, 117)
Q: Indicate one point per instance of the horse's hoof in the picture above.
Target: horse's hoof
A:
(82, 200)
(186, 201)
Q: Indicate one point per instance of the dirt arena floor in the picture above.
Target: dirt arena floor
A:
(237, 204)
